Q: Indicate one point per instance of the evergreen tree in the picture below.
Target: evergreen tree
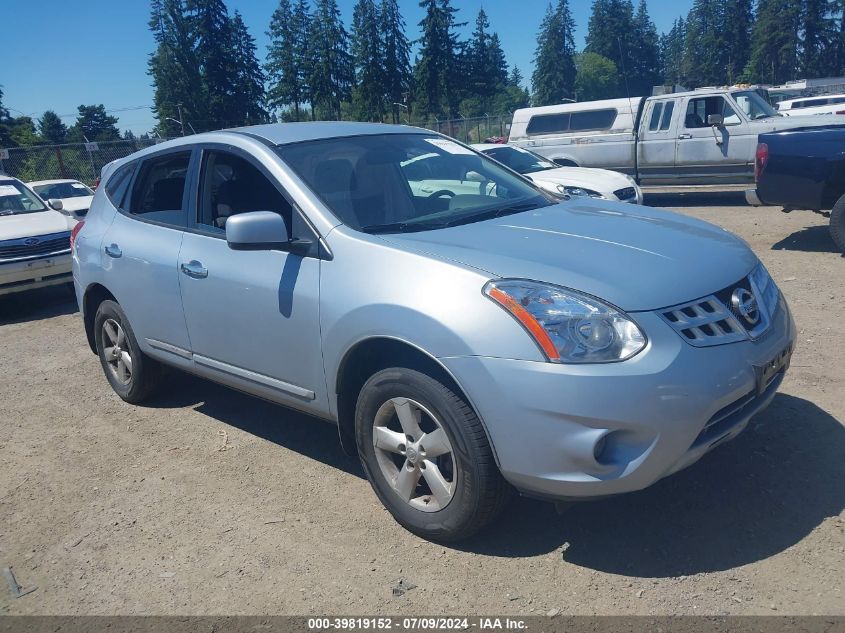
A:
(51, 128)
(173, 66)
(287, 56)
(330, 68)
(486, 66)
(612, 32)
(817, 57)
(437, 72)
(515, 77)
(396, 53)
(672, 51)
(645, 72)
(705, 54)
(93, 124)
(212, 32)
(368, 95)
(736, 38)
(249, 82)
(553, 79)
(774, 42)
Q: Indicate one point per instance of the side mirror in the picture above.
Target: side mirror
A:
(474, 176)
(56, 204)
(257, 231)
(715, 120)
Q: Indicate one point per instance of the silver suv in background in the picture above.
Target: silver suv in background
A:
(468, 333)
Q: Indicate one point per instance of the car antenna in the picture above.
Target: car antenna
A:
(624, 74)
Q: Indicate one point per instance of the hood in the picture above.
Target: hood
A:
(76, 204)
(601, 180)
(634, 257)
(13, 227)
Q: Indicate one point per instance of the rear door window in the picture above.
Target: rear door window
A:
(117, 185)
(667, 116)
(159, 190)
(656, 113)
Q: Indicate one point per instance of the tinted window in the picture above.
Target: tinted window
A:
(548, 123)
(232, 185)
(654, 122)
(592, 120)
(159, 189)
(118, 183)
(667, 115)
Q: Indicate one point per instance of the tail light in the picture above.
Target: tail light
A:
(75, 231)
(840, 112)
(96, 183)
(760, 160)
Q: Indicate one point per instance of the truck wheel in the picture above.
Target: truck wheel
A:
(427, 456)
(133, 375)
(837, 224)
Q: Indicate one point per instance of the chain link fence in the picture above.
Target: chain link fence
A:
(472, 130)
(80, 161)
(83, 161)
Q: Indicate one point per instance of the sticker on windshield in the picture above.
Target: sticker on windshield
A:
(449, 146)
(76, 185)
(9, 190)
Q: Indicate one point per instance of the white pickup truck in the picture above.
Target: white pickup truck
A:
(701, 137)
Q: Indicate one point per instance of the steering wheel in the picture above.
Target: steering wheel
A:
(443, 192)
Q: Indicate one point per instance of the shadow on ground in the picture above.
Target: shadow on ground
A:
(34, 305)
(307, 435)
(812, 239)
(746, 501)
(696, 199)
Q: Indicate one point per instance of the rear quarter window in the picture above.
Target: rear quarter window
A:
(118, 183)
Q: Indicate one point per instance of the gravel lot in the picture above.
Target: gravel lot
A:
(209, 502)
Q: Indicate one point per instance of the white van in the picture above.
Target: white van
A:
(587, 133)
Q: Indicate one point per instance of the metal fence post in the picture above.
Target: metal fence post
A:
(61, 162)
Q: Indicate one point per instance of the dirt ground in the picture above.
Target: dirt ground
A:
(209, 502)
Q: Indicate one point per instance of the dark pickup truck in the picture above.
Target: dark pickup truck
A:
(803, 168)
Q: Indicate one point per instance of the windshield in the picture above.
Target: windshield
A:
(520, 160)
(63, 190)
(396, 183)
(754, 106)
(15, 199)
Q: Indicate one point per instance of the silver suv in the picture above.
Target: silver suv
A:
(468, 333)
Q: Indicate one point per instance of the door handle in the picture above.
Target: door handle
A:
(113, 250)
(684, 136)
(194, 269)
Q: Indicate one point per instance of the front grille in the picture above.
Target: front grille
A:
(705, 322)
(716, 320)
(628, 193)
(26, 247)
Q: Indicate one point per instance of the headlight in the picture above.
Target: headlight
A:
(569, 327)
(767, 289)
(579, 191)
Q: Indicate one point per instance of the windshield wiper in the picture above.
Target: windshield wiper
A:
(407, 227)
(401, 227)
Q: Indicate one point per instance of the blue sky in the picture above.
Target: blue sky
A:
(60, 54)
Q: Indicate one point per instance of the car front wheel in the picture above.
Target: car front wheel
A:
(133, 375)
(426, 455)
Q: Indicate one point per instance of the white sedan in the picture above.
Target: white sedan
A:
(74, 196)
(573, 181)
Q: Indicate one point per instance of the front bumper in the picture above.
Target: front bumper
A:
(49, 270)
(752, 198)
(570, 431)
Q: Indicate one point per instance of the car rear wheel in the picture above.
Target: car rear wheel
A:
(427, 456)
(837, 224)
(133, 375)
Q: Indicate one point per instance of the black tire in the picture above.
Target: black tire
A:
(479, 490)
(837, 224)
(145, 374)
